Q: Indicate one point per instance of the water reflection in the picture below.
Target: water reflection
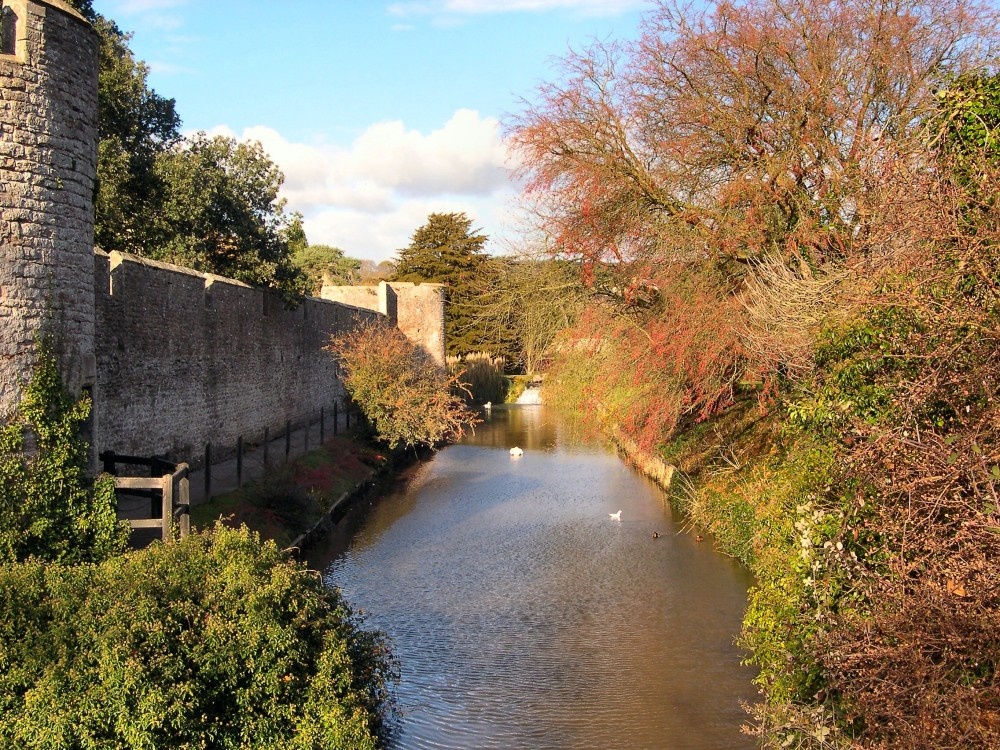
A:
(525, 618)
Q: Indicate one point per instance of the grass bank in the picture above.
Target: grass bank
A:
(292, 504)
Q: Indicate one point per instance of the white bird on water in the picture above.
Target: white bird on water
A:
(516, 452)
(616, 516)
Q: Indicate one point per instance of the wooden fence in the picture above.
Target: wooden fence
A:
(169, 493)
(275, 444)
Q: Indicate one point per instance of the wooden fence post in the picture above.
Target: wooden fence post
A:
(208, 471)
(185, 500)
(168, 507)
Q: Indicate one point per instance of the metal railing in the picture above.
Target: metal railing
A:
(253, 456)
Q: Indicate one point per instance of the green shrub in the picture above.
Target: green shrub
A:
(860, 367)
(49, 508)
(215, 641)
(516, 385)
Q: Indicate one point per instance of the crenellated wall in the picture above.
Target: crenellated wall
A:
(185, 358)
(416, 309)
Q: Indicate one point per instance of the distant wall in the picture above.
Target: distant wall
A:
(416, 309)
(185, 359)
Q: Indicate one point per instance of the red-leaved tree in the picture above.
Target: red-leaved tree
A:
(728, 138)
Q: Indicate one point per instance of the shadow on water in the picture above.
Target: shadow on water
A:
(525, 617)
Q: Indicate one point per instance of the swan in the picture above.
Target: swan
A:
(488, 405)
(516, 452)
(616, 516)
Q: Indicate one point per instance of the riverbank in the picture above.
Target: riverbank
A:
(743, 479)
(295, 504)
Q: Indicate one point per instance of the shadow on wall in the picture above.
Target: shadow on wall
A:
(416, 309)
(186, 359)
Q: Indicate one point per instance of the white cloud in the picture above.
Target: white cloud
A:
(168, 69)
(369, 196)
(465, 156)
(156, 14)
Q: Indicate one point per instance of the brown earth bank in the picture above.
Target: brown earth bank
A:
(296, 504)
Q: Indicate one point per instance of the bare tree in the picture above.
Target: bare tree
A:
(740, 128)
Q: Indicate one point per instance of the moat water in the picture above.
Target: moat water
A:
(523, 616)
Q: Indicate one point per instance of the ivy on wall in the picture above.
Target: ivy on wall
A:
(49, 508)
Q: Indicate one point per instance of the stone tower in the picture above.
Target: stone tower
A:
(48, 165)
(415, 309)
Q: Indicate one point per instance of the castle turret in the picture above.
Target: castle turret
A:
(48, 166)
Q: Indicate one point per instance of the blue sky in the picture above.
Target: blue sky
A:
(378, 112)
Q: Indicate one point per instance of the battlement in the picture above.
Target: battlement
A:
(187, 358)
(416, 309)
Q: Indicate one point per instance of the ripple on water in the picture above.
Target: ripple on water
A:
(524, 618)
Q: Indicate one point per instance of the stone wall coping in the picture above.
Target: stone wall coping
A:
(117, 258)
(412, 284)
(66, 8)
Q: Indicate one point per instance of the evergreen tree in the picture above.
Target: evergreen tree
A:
(446, 250)
(966, 125)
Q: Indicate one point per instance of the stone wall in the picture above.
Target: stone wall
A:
(185, 358)
(416, 309)
(48, 156)
(175, 359)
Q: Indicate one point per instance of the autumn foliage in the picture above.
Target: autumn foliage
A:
(793, 204)
(406, 397)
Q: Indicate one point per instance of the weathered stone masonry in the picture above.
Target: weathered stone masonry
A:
(48, 155)
(174, 359)
(416, 309)
(185, 359)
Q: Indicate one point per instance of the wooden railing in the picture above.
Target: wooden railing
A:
(172, 489)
